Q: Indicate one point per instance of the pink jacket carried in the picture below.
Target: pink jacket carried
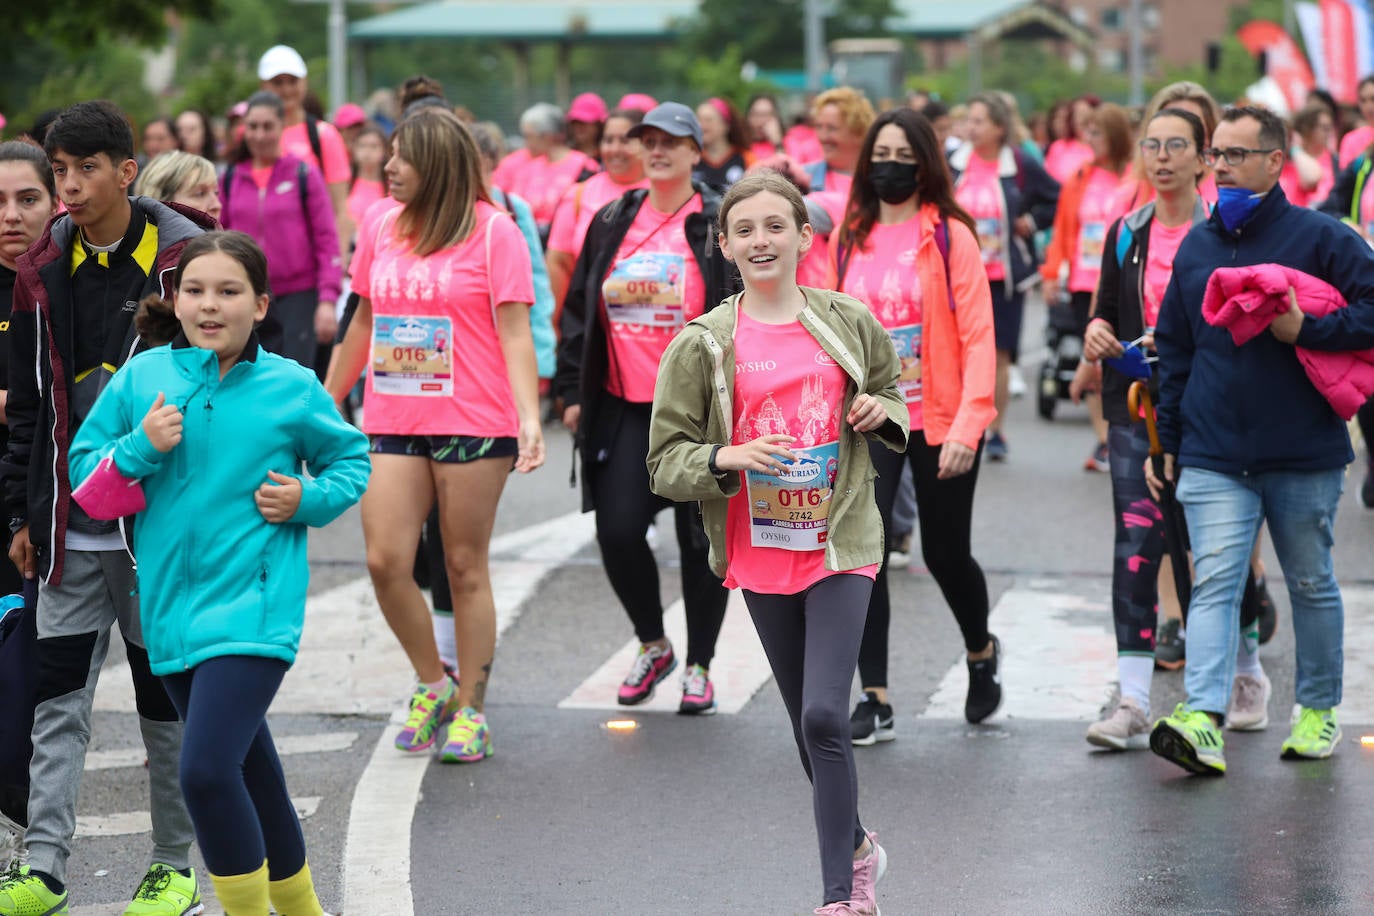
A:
(1245, 300)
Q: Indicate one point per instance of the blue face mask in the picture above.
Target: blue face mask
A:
(1236, 206)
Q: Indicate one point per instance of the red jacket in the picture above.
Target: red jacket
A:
(1245, 301)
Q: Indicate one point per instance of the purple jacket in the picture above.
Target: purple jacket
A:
(301, 241)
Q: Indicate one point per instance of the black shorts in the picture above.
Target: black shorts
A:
(446, 449)
(1006, 318)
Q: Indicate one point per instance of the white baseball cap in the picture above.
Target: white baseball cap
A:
(280, 59)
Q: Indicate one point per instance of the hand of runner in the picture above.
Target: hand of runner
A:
(278, 498)
(572, 415)
(1099, 340)
(326, 323)
(866, 413)
(162, 424)
(956, 458)
(1287, 326)
(1154, 483)
(766, 454)
(1086, 378)
(531, 441)
(22, 553)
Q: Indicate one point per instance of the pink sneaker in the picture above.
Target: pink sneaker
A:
(840, 908)
(652, 665)
(868, 871)
(698, 696)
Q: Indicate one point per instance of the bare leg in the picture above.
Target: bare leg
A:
(1000, 392)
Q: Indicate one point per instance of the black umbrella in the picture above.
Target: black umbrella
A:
(1175, 524)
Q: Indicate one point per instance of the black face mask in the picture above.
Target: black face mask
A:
(892, 181)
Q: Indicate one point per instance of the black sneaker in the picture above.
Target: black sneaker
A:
(1169, 646)
(871, 722)
(1268, 616)
(984, 685)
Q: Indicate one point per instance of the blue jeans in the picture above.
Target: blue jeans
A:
(1224, 516)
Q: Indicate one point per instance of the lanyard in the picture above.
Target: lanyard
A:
(666, 220)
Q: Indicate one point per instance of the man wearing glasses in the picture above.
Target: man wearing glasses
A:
(1248, 438)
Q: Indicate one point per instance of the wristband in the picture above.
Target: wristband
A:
(711, 463)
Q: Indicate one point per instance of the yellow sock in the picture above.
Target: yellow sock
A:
(243, 895)
(295, 896)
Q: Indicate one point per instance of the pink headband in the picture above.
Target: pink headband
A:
(721, 108)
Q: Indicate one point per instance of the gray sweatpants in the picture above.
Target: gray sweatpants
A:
(98, 588)
(812, 643)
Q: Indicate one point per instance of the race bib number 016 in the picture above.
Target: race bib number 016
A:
(412, 356)
(647, 289)
(792, 511)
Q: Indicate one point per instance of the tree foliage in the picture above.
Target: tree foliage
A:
(771, 34)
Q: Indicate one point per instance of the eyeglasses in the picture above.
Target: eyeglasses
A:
(1174, 146)
(1234, 155)
(666, 141)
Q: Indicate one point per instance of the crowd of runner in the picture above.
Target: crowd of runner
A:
(800, 337)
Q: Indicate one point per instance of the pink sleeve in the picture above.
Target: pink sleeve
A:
(336, 166)
(562, 235)
(512, 276)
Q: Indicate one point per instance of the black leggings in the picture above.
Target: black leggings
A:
(230, 773)
(625, 506)
(811, 640)
(945, 514)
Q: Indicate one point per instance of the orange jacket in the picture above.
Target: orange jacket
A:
(958, 355)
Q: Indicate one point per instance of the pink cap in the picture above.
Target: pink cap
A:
(349, 115)
(638, 101)
(238, 110)
(587, 107)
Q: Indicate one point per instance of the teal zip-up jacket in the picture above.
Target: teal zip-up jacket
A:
(693, 412)
(215, 578)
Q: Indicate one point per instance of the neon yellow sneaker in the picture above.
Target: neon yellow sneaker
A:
(428, 710)
(25, 894)
(1190, 739)
(164, 891)
(1315, 735)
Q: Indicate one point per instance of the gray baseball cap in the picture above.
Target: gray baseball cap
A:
(673, 118)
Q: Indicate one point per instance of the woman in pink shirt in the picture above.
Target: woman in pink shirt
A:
(369, 184)
(1310, 172)
(1358, 140)
(546, 167)
(909, 252)
(623, 171)
(760, 414)
(649, 265)
(440, 271)
(1071, 151)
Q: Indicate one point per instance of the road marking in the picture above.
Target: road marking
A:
(1059, 658)
(286, 746)
(129, 822)
(377, 848)
(739, 669)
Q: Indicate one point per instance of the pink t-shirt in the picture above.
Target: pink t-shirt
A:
(815, 268)
(1159, 267)
(653, 288)
(509, 172)
(980, 193)
(1104, 199)
(579, 204)
(883, 277)
(1355, 143)
(362, 196)
(776, 527)
(435, 363)
(336, 167)
(1292, 184)
(542, 183)
(1065, 157)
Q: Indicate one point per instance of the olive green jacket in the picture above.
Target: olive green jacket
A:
(693, 412)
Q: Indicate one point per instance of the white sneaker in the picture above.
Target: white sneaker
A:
(1249, 709)
(1126, 729)
(1016, 384)
(12, 849)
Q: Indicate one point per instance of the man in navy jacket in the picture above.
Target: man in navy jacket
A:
(1253, 439)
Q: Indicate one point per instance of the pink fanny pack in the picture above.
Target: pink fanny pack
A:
(108, 494)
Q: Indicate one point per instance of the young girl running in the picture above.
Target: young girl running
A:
(440, 271)
(214, 427)
(760, 413)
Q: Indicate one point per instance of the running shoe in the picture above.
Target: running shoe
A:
(984, 686)
(995, 448)
(868, 871)
(841, 908)
(1315, 735)
(23, 893)
(1099, 460)
(1170, 649)
(652, 665)
(1249, 709)
(1190, 739)
(469, 738)
(165, 891)
(1126, 729)
(1016, 383)
(1268, 615)
(871, 722)
(428, 710)
(698, 696)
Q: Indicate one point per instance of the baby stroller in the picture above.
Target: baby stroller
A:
(1064, 341)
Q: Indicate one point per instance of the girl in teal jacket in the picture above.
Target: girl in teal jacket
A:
(215, 431)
